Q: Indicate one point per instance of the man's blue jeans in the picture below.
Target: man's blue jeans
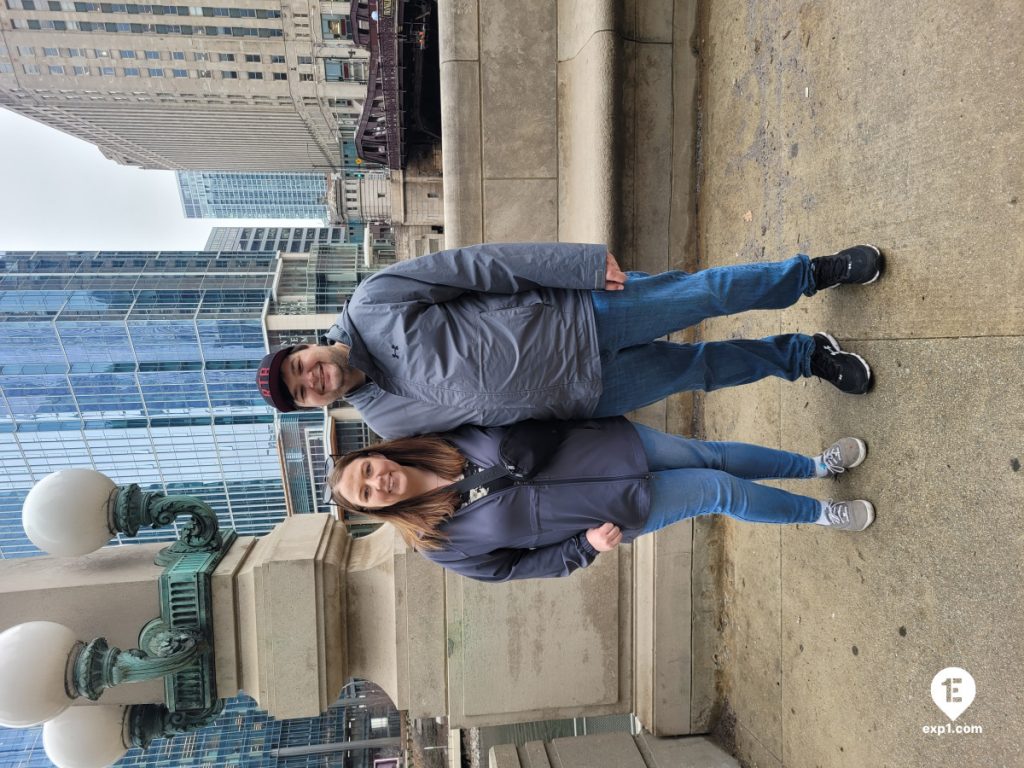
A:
(637, 370)
(694, 477)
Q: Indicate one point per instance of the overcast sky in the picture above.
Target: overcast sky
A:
(59, 193)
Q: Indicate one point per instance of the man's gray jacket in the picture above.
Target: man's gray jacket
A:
(490, 334)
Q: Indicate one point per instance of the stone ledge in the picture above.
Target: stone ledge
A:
(588, 164)
(461, 161)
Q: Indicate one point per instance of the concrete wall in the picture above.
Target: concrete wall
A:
(541, 649)
(559, 115)
(488, 654)
(569, 120)
(511, 97)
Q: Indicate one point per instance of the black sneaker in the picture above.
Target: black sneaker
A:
(846, 371)
(856, 265)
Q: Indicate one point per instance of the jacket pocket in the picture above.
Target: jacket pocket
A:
(515, 349)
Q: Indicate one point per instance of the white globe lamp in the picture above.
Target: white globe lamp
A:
(34, 684)
(67, 512)
(87, 736)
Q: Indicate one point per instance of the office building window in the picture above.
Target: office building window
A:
(26, 50)
(225, 57)
(51, 52)
(179, 72)
(150, 29)
(337, 70)
(152, 54)
(178, 55)
(305, 59)
(335, 27)
(30, 69)
(107, 71)
(305, 77)
(132, 8)
(280, 75)
(228, 75)
(255, 75)
(277, 59)
(201, 56)
(131, 71)
(252, 57)
(155, 72)
(127, 54)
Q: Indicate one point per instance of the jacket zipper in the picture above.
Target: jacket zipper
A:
(579, 481)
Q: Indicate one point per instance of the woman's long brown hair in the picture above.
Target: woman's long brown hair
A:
(417, 519)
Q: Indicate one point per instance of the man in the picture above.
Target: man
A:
(494, 334)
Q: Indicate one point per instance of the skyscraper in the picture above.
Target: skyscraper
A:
(140, 365)
(244, 736)
(286, 239)
(270, 195)
(239, 85)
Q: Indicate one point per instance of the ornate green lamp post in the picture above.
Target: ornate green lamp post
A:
(44, 666)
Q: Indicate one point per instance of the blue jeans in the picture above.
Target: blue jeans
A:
(637, 370)
(694, 477)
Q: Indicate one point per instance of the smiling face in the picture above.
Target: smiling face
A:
(316, 376)
(374, 481)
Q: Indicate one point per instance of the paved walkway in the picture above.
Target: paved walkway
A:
(824, 124)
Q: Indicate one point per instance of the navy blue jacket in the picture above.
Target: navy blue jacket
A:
(536, 529)
(490, 334)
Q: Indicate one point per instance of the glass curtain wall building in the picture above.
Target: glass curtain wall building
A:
(244, 736)
(312, 288)
(140, 365)
(320, 282)
(286, 239)
(273, 195)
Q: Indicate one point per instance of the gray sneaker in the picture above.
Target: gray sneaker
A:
(845, 453)
(850, 515)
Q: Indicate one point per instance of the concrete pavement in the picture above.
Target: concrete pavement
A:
(824, 124)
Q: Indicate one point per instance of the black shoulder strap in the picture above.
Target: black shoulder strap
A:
(483, 477)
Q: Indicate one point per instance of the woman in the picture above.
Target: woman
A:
(608, 482)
